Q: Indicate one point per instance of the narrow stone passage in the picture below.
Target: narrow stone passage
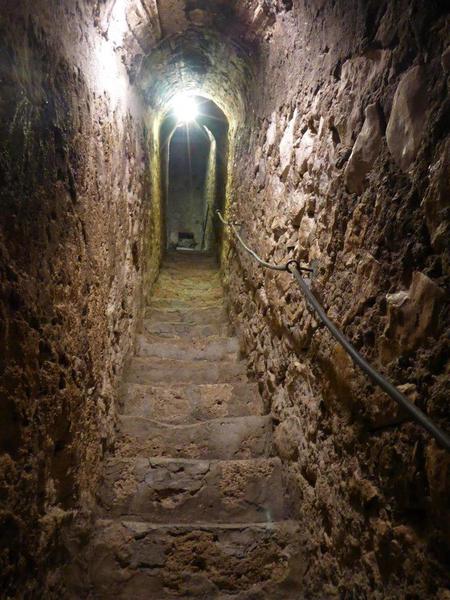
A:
(139, 457)
(192, 499)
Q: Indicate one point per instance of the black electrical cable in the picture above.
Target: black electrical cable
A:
(294, 269)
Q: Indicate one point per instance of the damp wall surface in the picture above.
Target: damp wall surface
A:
(74, 253)
(345, 160)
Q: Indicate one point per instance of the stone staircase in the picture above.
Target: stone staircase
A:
(191, 504)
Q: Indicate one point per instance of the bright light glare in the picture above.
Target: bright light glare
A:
(185, 109)
(118, 22)
(108, 72)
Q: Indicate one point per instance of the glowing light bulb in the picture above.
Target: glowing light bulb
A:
(185, 109)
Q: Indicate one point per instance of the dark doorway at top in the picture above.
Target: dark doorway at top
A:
(194, 165)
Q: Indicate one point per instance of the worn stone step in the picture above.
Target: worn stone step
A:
(195, 304)
(182, 348)
(223, 438)
(190, 276)
(156, 370)
(204, 281)
(178, 286)
(189, 256)
(201, 269)
(190, 403)
(164, 490)
(183, 279)
(214, 314)
(170, 288)
(146, 561)
(191, 296)
(165, 282)
(196, 330)
(188, 260)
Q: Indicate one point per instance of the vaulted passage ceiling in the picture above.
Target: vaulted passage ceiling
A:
(190, 44)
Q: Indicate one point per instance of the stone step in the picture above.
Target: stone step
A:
(183, 348)
(183, 279)
(200, 316)
(165, 287)
(190, 265)
(179, 286)
(158, 370)
(146, 561)
(190, 276)
(190, 269)
(188, 259)
(189, 256)
(189, 297)
(206, 280)
(196, 330)
(189, 403)
(229, 438)
(212, 283)
(165, 490)
(195, 303)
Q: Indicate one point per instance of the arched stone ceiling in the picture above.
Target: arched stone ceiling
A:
(201, 62)
(169, 46)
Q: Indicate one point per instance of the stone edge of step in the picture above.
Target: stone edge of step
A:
(143, 336)
(129, 388)
(133, 395)
(214, 314)
(149, 324)
(198, 343)
(154, 359)
(173, 349)
(174, 386)
(143, 527)
(167, 460)
(164, 425)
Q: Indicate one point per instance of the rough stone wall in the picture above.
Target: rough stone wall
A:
(75, 196)
(211, 185)
(345, 160)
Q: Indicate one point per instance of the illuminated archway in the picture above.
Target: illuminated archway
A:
(193, 160)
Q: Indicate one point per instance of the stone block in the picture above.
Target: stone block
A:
(381, 411)
(287, 146)
(200, 560)
(225, 438)
(412, 316)
(166, 490)
(304, 151)
(445, 60)
(438, 475)
(287, 438)
(188, 348)
(408, 118)
(156, 370)
(190, 403)
(271, 134)
(365, 151)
